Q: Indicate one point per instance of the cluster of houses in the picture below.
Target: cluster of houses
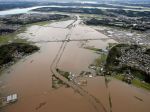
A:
(126, 36)
(31, 18)
(8, 28)
(135, 23)
(137, 58)
(12, 23)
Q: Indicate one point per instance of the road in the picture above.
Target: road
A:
(96, 104)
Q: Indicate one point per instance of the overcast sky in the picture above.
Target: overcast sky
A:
(67, 0)
(56, 0)
(78, 0)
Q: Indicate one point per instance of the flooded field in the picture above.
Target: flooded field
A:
(32, 77)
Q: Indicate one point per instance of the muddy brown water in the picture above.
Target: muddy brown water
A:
(31, 77)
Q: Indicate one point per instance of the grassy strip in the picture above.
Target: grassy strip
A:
(119, 77)
(100, 60)
(136, 82)
(93, 48)
(64, 73)
(12, 37)
(4, 39)
(56, 82)
(40, 23)
(110, 45)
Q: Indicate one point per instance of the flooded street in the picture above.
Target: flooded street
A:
(31, 77)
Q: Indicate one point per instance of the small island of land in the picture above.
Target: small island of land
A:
(10, 53)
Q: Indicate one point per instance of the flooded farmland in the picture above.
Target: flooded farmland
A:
(32, 77)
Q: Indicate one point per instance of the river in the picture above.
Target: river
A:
(32, 78)
(29, 10)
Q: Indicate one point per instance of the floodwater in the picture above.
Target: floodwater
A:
(32, 79)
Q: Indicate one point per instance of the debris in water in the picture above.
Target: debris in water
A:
(138, 98)
(40, 105)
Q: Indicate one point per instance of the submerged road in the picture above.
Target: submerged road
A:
(70, 40)
(95, 103)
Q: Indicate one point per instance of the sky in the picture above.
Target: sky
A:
(76, 0)
(55, 0)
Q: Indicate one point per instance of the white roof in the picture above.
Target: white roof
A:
(11, 98)
(14, 96)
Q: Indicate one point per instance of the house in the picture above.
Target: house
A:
(11, 98)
